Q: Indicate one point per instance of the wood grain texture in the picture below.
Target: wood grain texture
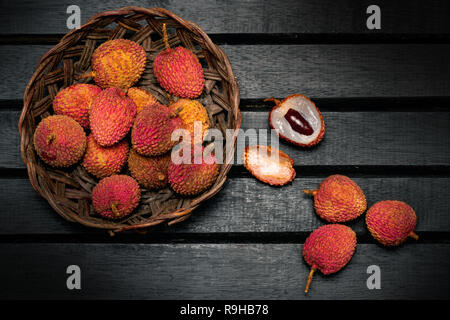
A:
(351, 139)
(245, 205)
(217, 271)
(318, 71)
(252, 16)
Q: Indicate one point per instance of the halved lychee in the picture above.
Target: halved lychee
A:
(271, 166)
(296, 119)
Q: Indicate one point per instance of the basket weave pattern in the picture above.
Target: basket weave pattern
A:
(69, 191)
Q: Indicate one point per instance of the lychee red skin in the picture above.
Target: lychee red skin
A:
(193, 178)
(339, 199)
(152, 131)
(329, 248)
(116, 196)
(104, 161)
(75, 101)
(59, 141)
(179, 72)
(391, 222)
(111, 116)
(150, 172)
(118, 63)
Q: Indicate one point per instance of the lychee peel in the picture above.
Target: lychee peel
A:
(75, 101)
(150, 172)
(118, 63)
(269, 165)
(104, 161)
(179, 71)
(338, 199)
(111, 117)
(152, 131)
(59, 141)
(116, 196)
(329, 248)
(391, 222)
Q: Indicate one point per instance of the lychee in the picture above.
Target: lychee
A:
(104, 161)
(141, 98)
(192, 114)
(391, 222)
(59, 140)
(179, 71)
(328, 249)
(111, 117)
(75, 101)
(118, 63)
(338, 199)
(116, 196)
(152, 131)
(150, 172)
(196, 176)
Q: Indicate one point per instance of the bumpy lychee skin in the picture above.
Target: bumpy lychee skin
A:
(116, 196)
(118, 63)
(75, 101)
(141, 98)
(391, 222)
(60, 141)
(329, 248)
(338, 199)
(150, 172)
(111, 117)
(192, 113)
(104, 161)
(152, 131)
(178, 71)
(196, 176)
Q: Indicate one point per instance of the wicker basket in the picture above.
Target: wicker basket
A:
(69, 191)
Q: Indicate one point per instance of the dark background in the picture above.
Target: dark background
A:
(385, 98)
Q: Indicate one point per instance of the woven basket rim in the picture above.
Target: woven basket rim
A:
(34, 172)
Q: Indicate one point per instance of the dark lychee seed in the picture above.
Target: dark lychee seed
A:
(298, 122)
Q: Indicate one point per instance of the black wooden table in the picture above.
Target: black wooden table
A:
(385, 97)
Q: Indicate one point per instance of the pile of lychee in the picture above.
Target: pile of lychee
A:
(338, 199)
(109, 123)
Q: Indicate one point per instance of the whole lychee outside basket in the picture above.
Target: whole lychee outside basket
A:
(69, 190)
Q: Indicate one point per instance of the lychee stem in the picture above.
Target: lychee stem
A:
(161, 177)
(114, 209)
(277, 102)
(310, 276)
(414, 235)
(310, 192)
(86, 75)
(51, 137)
(165, 37)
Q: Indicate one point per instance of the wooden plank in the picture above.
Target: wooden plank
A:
(245, 205)
(351, 139)
(217, 271)
(318, 71)
(251, 16)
